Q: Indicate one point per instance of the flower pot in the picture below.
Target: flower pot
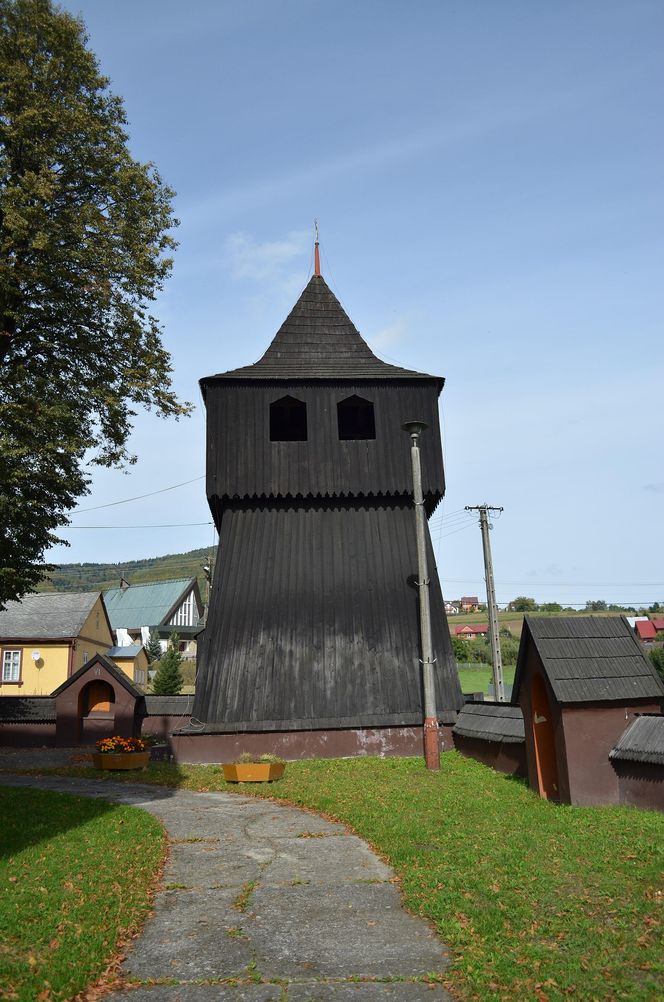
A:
(121, 760)
(253, 772)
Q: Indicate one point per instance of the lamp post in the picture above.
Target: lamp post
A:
(431, 747)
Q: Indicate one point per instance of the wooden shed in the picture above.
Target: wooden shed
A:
(312, 639)
(579, 681)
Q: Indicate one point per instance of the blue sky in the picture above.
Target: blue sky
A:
(489, 186)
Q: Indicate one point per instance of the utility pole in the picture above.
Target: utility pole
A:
(431, 746)
(494, 636)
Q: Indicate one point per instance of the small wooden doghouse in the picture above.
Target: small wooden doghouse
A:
(579, 681)
(96, 702)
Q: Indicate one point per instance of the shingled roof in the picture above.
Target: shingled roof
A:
(319, 341)
(47, 615)
(641, 741)
(27, 709)
(589, 659)
(491, 722)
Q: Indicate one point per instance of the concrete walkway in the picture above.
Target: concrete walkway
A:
(289, 904)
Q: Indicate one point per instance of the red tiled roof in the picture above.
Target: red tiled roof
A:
(658, 622)
(470, 630)
(645, 629)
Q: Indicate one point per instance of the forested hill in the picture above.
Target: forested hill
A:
(96, 577)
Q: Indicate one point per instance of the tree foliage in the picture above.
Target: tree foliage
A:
(599, 605)
(168, 679)
(523, 604)
(656, 655)
(153, 647)
(84, 249)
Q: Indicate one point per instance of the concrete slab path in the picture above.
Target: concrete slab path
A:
(290, 904)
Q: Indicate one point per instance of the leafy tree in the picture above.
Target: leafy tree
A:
(523, 604)
(84, 244)
(656, 655)
(551, 607)
(153, 647)
(597, 606)
(168, 680)
(461, 649)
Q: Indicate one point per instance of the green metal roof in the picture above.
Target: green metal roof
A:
(144, 604)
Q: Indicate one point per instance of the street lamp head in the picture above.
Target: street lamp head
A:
(414, 428)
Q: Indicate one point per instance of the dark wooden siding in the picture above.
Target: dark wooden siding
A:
(313, 622)
(243, 462)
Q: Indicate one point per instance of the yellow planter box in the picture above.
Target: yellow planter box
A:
(121, 760)
(253, 772)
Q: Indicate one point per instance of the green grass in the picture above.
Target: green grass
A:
(539, 902)
(76, 876)
(477, 678)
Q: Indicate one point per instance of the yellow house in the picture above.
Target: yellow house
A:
(132, 660)
(45, 638)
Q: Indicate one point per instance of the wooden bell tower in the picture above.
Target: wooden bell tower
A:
(312, 641)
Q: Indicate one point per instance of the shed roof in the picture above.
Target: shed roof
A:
(641, 741)
(131, 651)
(658, 622)
(491, 722)
(47, 615)
(169, 706)
(24, 709)
(318, 340)
(147, 604)
(589, 659)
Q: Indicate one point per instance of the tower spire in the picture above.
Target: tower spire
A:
(316, 251)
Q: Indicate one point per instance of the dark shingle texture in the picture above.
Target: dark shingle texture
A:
(48, 615)
(26, 709)
(491, 722)
(642, 741)
(592, 658)
(168, 706)
(319, 341)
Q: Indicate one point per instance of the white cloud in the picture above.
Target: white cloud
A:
(390, 335)
(273, 262)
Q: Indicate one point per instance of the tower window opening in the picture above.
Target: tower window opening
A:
(288, 420)
(356, 418)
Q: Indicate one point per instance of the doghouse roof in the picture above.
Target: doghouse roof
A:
(491, 722)
(589, 659)
(113, 670)
(641, 741)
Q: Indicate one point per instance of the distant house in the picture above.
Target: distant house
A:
(645, 630)
(45, 638)
(658, 622)
(469, 603)
(479, 630)
(135, 610)
(451, 609)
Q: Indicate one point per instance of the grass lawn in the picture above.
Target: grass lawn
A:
(539, 902)
(76, 876)
(477, 677)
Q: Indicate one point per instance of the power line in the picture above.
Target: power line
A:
(139, 497)
(168, 525)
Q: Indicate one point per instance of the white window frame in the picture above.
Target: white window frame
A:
(11, 664)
